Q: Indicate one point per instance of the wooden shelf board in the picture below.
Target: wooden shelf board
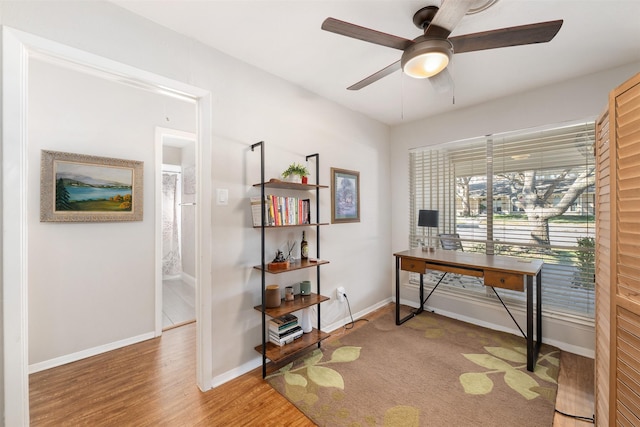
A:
(299, 302)
(297, 265)
(290, 185)
(293, 225)
(276, 353)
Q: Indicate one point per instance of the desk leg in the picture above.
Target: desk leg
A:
(538, 314)
(533, 344)
(411, 315)
(421, 309)
(398, 291)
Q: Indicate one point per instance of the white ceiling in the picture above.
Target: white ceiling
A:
(284, 38)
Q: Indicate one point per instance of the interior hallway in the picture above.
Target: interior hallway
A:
(178, 303)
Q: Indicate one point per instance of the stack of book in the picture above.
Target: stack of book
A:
(284, 329)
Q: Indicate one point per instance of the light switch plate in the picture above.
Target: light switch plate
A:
(222, 196)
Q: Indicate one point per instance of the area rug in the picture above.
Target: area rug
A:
(430, 371)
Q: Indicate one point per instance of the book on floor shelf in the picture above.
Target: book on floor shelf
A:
(288, 338)
(285, 334)
(284, 319)
(277, 329)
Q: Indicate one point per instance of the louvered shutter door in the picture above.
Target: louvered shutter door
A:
(624, 106)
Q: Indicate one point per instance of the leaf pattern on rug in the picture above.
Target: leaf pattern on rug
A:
(405, 416)
(497, 359)
(321, 376)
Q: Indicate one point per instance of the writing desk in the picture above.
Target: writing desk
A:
(497, 271)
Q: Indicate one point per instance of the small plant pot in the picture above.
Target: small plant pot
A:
(293, 178)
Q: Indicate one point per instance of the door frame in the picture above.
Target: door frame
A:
(18, 47)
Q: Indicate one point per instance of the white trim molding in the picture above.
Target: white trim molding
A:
(14, 225)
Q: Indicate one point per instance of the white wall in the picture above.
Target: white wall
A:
(578, 99)
(92, 284)
(248, 106)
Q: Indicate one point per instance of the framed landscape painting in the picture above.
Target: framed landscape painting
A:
(345, 196)
(83, 188)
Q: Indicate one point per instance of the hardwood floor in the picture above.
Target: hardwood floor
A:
(153, 384)
(575, 390)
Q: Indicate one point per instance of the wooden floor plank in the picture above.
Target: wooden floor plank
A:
(575, 390)
(153, 383)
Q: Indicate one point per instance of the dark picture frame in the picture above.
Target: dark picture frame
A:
(84, 188)
(345, 196)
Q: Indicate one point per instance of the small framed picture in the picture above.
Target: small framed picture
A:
(345, 196)
(82, 188)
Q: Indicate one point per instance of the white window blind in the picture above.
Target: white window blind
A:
(525, 194)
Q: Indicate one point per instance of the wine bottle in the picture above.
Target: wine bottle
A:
(304, 248)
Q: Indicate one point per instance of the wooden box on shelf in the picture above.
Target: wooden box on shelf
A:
(278, 266)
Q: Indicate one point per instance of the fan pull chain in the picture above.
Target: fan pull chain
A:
(453, 87)
(402, 96)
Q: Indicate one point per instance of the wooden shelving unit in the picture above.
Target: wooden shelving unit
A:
(270, 351)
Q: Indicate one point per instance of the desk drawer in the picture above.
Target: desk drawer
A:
(413, 265)
(497, 279)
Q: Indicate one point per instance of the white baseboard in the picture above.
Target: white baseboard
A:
(236, 372)
(74, 357)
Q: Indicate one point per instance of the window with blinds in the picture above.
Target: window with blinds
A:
(525, 194)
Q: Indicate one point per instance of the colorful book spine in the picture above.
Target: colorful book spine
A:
(281, 210)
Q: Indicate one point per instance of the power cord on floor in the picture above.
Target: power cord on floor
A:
(353, 322)
(578, 417)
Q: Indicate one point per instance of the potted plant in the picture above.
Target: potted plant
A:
(296, 173)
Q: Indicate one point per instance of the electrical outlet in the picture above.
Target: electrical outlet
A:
(340, 293)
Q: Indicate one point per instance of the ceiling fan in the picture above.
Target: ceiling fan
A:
(429, 54)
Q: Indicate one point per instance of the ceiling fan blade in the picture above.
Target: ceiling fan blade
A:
(376, 76)
(366, 34)
(541, 32)
(448, 16)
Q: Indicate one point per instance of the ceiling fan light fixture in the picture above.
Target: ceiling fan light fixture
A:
(426, 58)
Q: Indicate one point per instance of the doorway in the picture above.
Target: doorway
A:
(18, 49)
(178, 228)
